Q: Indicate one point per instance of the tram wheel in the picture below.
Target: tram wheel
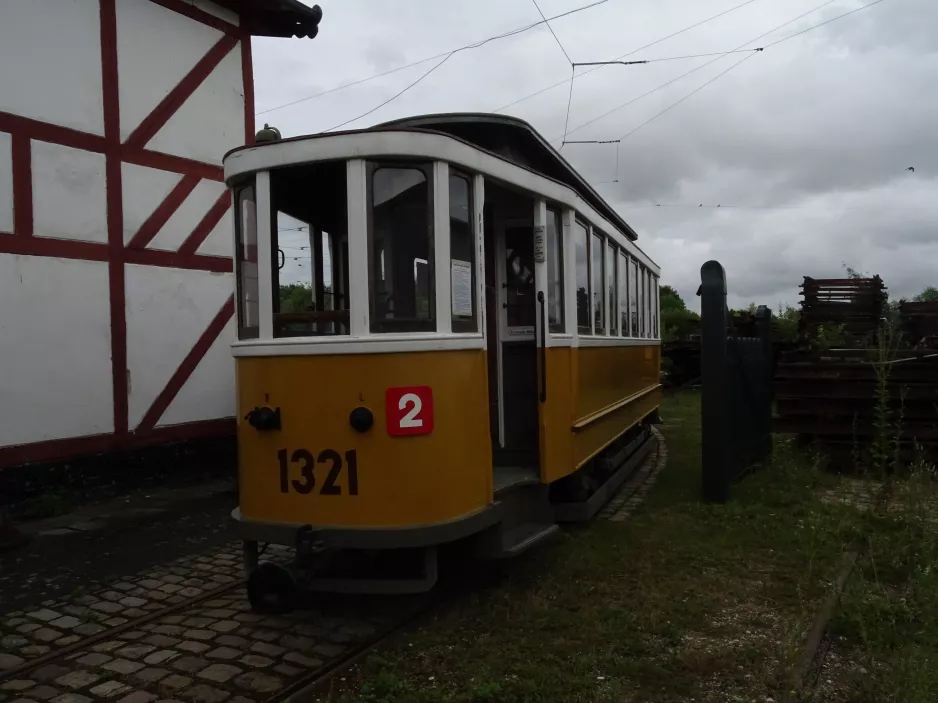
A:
(272, 589)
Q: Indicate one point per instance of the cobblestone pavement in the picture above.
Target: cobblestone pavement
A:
(184, 630)
(51, 566)
(207, 652)
(633, 491)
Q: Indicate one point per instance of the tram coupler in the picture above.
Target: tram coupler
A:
(308, 546)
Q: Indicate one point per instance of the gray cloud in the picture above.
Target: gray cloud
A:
(812, 136)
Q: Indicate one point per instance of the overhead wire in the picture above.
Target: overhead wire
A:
(633, 52)
(667, 58)
(393, 97)
(721, 74)
(474, 45)
(556, 38)
(694, 70)
(693, 92)
(738, 63)
(833, 19)
(569, 60)
(566, 122)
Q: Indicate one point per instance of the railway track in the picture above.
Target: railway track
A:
(186, 632)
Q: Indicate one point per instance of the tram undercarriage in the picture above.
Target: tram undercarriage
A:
(523, 514)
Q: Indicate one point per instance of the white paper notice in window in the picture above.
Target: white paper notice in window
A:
(461, 277)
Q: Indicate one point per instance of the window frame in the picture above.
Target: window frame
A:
(583, 329)
(246, 332)
(594, 235)
(457, 323)
(622, 282)
(372, 166)
(612, 289)
(558, 327)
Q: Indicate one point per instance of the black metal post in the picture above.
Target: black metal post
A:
(764, 331)
(715, 412)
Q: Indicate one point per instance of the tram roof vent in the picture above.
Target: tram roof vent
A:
(266, 135)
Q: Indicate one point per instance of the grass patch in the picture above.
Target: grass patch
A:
(683, 601)
(886, 630)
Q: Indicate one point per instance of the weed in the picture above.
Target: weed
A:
(684, 600)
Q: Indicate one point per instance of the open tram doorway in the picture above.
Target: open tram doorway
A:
(510, 299)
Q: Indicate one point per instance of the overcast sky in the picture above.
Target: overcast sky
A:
(809, 140)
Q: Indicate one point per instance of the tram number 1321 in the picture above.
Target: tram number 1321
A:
(301, 461)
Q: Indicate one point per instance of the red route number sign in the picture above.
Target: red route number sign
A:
(409, 410)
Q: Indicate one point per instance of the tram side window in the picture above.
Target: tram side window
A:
(611, 285)
(554, 272)
(599, 307)
(623, 294)
(462, 254)
(633, 296)
(580, 238)
(246, 255)
(310, 251)
(653, 285)
(642, 303)
(650, 333)
(401, 249)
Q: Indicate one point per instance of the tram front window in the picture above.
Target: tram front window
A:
(310, 251)
(401, 250)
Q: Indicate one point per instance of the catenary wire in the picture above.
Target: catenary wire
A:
(393, 97)
(694, 70)
(631, 53)
(723, 73)
(556, 38)
(474, 45)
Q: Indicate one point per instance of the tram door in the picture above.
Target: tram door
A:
(511, 330)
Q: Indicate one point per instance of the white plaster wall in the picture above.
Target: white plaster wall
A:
(144, 190)
(189, 214)
(220, 241)
(55, 343)
(52, 62)
(156, 48)
(211, 121)
(69, 193)
(167, 312)
(6, 183)
(210, 392)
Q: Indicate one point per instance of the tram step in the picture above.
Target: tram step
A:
(524, 536)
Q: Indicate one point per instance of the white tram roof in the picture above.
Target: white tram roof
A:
(508, 138)
(517, 141)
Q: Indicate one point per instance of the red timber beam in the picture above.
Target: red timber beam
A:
(115, 213)
(168, 106)
(206, 225)
(59, 449)
(160, 216)
(188, 365)
(22, 185)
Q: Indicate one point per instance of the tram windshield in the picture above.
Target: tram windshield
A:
(310, 250)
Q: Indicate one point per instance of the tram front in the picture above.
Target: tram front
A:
(361, 372)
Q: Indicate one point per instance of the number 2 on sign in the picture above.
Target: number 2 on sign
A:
(409, 410)
(307, 481)
(416, 405)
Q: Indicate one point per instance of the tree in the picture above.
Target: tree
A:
(676, 319)
(929, 295)
(295, 297)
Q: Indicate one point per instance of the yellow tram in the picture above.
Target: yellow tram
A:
(444, 334)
